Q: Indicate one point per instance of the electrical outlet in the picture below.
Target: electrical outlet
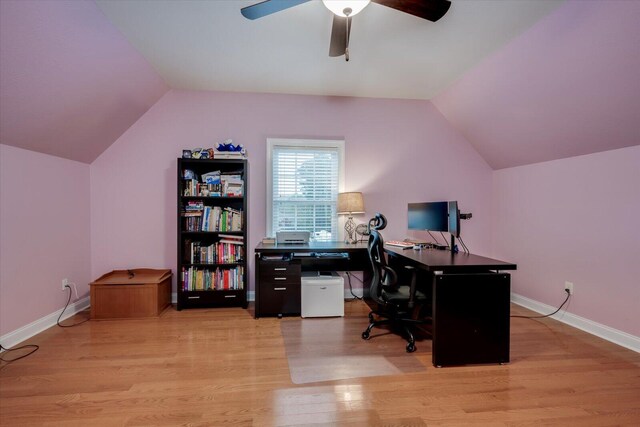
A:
(65, 283)
(568, 286)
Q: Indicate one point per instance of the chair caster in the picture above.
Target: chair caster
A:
(365, 335)
(411, 347)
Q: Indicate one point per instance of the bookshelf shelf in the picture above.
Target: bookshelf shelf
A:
(212, 233)
(239, 233)
(209, 265)
(212, 197)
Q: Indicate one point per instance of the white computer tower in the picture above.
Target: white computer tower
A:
(322, 294)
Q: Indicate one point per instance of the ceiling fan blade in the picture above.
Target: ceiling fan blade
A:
(268, 7)
(431, 10)
(339, 35)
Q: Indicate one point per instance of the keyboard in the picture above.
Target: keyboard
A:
(330, 254)
(399, 243)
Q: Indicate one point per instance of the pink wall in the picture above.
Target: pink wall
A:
(566, 87)
(67, 74)
(397, 151)
(575, 220)
(44, 224)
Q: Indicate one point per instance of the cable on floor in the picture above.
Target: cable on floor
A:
(33, 346)
(65, 307)
(547, 315)
(355, 297)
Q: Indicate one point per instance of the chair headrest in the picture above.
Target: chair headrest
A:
(378, 222)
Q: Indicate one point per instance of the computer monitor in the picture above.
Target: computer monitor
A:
(435, 216)
(454, 219)
(431, 216)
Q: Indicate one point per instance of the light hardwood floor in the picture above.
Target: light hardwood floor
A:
(223, 367)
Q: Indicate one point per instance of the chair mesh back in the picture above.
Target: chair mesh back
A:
(378, 262)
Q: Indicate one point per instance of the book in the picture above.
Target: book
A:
(232, 242)
(228, 155)
(211, 177)
(232, 236)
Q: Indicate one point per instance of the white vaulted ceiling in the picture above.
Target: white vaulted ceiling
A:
(209, 45)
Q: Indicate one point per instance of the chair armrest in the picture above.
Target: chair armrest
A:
(390, 279)
(412, 287)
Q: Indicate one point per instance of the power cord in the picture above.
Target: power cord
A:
(355, 297)
(434, 237)
(65, 307)
(34, 346)
(446, 241)
(464, 247)
(548, 315)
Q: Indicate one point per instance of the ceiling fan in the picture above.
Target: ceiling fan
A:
(344, 10)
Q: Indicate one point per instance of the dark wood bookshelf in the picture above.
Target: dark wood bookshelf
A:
(229, 280)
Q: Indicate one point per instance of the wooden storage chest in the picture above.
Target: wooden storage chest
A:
(126, 294)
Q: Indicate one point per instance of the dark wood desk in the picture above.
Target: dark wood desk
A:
(278, 270)
(471, 294)
(471, 303)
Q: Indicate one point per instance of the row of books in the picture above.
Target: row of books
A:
(214, 184)
(220, 279)
(210, 218)
(230, 249)
(194, 188)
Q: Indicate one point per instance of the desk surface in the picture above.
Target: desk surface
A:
(439, 260)
(313, 247)
(426, 259)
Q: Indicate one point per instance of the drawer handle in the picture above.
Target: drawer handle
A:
(279, 289)
(230, 296)
(193, 297)
(323, 287)
(280, 269)
(279, 278)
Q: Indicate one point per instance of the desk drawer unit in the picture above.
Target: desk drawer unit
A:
(279, 288)
(278, 271)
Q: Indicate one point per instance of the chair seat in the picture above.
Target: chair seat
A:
(401, 295)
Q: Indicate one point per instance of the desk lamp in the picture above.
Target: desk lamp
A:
(349, 204)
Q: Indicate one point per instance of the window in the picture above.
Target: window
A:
(303, 181)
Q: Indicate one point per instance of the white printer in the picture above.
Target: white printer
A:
(292, 237)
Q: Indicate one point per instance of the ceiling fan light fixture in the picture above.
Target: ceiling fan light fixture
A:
(338, 7)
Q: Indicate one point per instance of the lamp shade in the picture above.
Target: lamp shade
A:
(350, 203)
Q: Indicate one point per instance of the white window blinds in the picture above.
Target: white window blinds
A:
(304, 188)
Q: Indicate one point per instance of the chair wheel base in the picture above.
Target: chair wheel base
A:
(411, 347)
(365, 335)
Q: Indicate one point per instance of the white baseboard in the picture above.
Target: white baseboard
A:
(605, 332)
(16, 337)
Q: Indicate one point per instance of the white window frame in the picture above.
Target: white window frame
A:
(338, 144)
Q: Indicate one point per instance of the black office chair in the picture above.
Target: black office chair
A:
(396, 303)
